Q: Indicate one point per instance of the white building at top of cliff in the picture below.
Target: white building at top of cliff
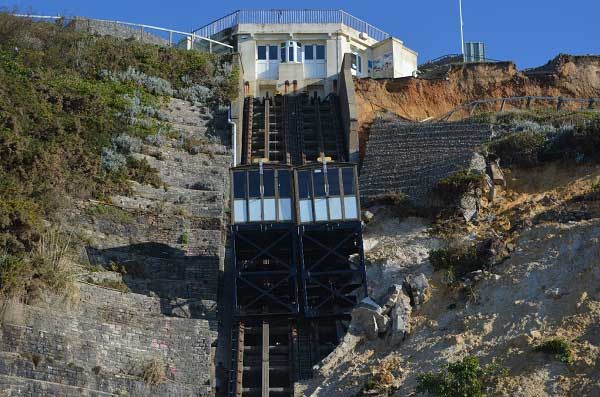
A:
(293, 51)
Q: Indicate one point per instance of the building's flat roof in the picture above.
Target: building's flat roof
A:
(290, 16)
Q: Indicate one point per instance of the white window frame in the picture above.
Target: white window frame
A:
(357, 66)
(315, 67)
(267, 69)
(296, 48)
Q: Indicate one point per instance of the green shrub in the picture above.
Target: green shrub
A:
(20, 224)
(154, 372)
(559, 348)
(109, 283)
(46, 267)
(549, 116)
(464, 378)
(141, 172)
(521, 149)
(454, 186)
(109, 212)
(578, 143)
(184, 238)
(193, 145)
(459, 260)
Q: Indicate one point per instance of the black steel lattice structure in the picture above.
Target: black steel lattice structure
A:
(296, 237)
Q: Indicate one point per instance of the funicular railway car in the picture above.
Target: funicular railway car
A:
(329, 238)
(263, 228)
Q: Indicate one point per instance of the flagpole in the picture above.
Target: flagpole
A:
(462, 37)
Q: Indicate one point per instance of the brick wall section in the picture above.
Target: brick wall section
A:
(411, 158)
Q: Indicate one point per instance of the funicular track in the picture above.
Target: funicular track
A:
(297, 242)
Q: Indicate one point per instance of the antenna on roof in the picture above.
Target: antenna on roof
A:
(462, 37)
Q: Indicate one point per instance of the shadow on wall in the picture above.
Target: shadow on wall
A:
(186, 285)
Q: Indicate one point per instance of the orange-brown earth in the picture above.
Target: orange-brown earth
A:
(417, 98)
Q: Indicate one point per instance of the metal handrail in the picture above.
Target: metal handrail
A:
(192, 36)
(290, 16)
(448, 56)
(560, 101)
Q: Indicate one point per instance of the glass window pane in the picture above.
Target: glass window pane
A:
(359, 62)
(319, 183)
(255, 211)
(306, 214)
(333, 178)
(239, 211)
(239, 185)
(269, 209)
(335, 208)
(308, 52)
(285, 209)
(285, 190)
(254, 183)
(291, 54)
(304, 184)
(283, 54)
(350, 209)
(299, 57)
(262, 52)
(273, 52)
(320, 52)
(348, 179)
(321, 209)
(269, 183)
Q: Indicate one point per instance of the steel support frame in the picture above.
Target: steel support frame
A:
(349, 231)
(285, 272)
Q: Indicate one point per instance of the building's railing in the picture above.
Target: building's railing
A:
(144, 33)
(290, 17)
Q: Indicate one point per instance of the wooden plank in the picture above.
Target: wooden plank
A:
(265, 359)
(240, 360)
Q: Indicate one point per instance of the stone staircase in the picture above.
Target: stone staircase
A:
(168, 252)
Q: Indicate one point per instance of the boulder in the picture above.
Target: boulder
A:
(418, 288)
(391, 298)
(400, 315)
(368, 318)
(469, 205)
(367, 216)
(497, 174)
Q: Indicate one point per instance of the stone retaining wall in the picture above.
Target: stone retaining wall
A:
(411, 158)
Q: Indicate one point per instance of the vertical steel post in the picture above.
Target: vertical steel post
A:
(462, 37)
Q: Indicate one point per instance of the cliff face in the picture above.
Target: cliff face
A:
(416, 99)
(545, 289)
(114, 160)
(147, 294)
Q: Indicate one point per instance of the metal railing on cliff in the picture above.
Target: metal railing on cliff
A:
(144, 33)
(520, 103)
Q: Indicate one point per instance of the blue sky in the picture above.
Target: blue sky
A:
(529, 32)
